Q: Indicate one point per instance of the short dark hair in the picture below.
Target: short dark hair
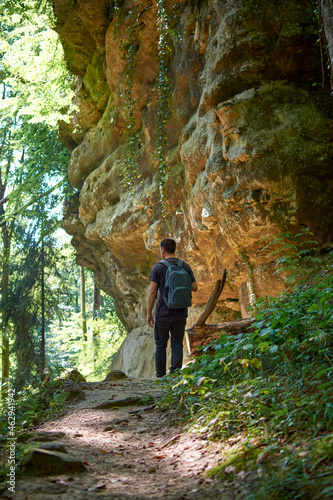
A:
(169, 245)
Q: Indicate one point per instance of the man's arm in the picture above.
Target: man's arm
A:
(151, 301)
(194, 286)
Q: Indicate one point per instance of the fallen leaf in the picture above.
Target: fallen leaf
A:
(153, 469)
(159, 457)
(124, 423)
(62, 482)
(97, 487)
(103, 451)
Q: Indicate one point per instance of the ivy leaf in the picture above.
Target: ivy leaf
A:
(256, 363)
(244, 363)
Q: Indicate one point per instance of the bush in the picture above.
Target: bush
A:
(271, 388)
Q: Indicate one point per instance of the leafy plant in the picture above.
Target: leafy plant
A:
(32, 405)
(270, 390)
(298, 254)
(164, 22)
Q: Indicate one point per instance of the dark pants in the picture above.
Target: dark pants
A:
(175, 324)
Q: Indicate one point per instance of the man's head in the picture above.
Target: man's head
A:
(169, 245)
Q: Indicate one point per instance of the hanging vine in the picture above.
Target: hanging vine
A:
(129, 169)
(164, 95)
(164, 21)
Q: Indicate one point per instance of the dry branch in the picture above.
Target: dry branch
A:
(210, 306)
(201, 334)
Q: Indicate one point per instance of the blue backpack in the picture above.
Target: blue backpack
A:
(178, 286)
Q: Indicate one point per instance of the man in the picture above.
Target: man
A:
(167, 320)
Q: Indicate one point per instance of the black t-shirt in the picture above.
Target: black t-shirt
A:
(157, 275)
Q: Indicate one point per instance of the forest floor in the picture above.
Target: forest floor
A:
(127, 455)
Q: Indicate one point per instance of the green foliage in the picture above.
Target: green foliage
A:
(165, 21)
(32, 66)
(32, 405)
(36, 90)
(298, 254)
(164, 95)
(272, 389)
(37, 170)
(66, 348)
(22, 307)
(22, 304)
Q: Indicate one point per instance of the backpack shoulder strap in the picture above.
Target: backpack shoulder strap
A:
(180, 263)
(165, 262)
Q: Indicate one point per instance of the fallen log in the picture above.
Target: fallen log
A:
(204, 335)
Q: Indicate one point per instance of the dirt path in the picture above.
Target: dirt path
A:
(127, 455)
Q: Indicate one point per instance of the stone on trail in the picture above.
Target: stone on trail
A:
(115, 421)
(45, 436)
(53, 488)
(73, 375)
(76, 394)
(115, 375)
(54, 446)
(129, 401)
(40, 462)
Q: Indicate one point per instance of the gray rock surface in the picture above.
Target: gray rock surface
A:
(41, 462)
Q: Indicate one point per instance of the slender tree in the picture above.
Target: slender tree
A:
(96, 306)
(83, 305)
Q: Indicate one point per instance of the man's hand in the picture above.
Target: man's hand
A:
(151, 300)
(150, 320)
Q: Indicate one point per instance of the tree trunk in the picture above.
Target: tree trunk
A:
(326, 7)
(4, 319)
(83, 305)
(6, 150)
(95, 313)
(96, 300)
(43, 317)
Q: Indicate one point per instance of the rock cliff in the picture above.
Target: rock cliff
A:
(248, 143)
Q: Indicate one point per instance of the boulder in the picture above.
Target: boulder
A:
(73, 375)
(45, 436)
(41, 462)
(136, 356)
(115, 375)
